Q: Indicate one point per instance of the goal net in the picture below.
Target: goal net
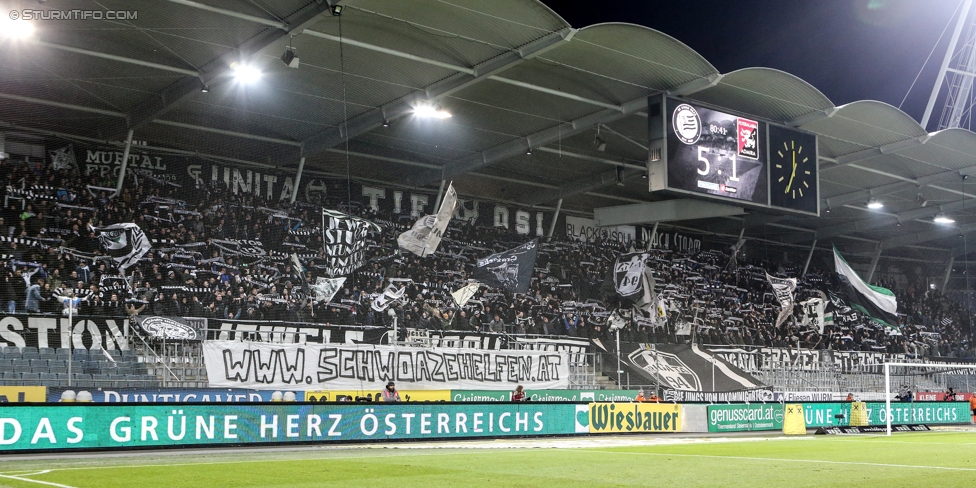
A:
(897, 375)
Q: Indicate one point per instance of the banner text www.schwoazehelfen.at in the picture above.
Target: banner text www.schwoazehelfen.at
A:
(364, 366)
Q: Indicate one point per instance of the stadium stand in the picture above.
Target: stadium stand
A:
(190, 273)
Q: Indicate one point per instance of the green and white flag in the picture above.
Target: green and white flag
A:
(878, 303)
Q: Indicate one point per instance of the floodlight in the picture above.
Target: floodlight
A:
(290, 57)
(17, 29)
(245, 73)
(386, 123)
(943, 219)
(599, 144)
(874, 204)
(432, 111)
(337, 10)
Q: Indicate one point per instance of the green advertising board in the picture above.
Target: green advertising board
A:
(744, 418)
(105, 426)
(839, 413)
(546, 395)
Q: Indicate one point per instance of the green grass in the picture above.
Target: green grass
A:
(917, 459)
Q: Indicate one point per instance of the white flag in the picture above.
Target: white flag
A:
(389, 295)
(465, 293)
(783, 289)
(813, 314)
(427, 231)
(326, 288)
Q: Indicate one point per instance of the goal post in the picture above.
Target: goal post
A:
(887, 374)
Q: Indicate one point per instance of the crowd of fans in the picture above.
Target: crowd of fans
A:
(223, 256)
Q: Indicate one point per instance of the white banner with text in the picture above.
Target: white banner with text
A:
(262, 366)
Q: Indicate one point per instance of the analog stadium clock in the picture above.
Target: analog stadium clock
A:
(793, 170)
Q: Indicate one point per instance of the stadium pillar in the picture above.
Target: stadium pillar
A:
(948, 271)
(555, 217)
(809, 257)
(887, 369)
(298, 179)
(125, 162)
(874, 264)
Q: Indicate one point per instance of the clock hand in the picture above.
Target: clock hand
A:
(793, 175)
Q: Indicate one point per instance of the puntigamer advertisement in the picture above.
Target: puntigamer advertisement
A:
(100, 426)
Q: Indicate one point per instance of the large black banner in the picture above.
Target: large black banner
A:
(509, 270)
(82, 332)
(684, 368)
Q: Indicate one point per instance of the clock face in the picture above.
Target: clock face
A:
(793, 170)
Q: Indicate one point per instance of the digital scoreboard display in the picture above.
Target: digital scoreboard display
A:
(716, 153)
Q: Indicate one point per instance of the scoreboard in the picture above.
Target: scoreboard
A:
(700, 150)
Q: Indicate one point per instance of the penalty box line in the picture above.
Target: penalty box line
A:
(812, 461)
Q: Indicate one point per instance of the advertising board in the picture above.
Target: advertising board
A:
(612, 418)
(839, 414)
(745, 417)
(25, 427)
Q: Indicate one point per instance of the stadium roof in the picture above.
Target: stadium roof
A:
(514, 75)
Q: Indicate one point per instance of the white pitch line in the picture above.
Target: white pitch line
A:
(814, 461)
(28, 480)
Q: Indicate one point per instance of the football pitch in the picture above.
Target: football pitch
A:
(908, 459)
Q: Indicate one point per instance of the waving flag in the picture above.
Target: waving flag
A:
(426, 233)
(125, 243)
(783, 289)
(509, 270)
(878, 303)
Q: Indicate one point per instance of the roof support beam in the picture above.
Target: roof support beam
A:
(375, 118)
(158, 104)
(675, 210)
(231, 13)
(812, 117)
(520, 145)
(871, 152)
(864, 195)
(920, 237)
(459, 68)
(122, 59)
(583, 185)
(884, 220)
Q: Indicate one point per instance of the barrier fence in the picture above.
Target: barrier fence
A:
(118, 424)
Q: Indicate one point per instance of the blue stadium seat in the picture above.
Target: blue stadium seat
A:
(48, 353)
(12, 353)
(31, 349)
(80, 354)
(91, 367)
(49, 379)
(39, 365)
(30, 354)
(63, 351)
(30, 377)
(22, 368)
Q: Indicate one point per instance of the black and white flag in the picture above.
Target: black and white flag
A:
(344, 238)
(509, 270)
(390, 294)
(783, 289)
(326, 288)
(125, 243)
(813, 314)
(632, 280)
(428, 230)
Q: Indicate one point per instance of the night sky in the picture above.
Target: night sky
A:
(848, 49)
